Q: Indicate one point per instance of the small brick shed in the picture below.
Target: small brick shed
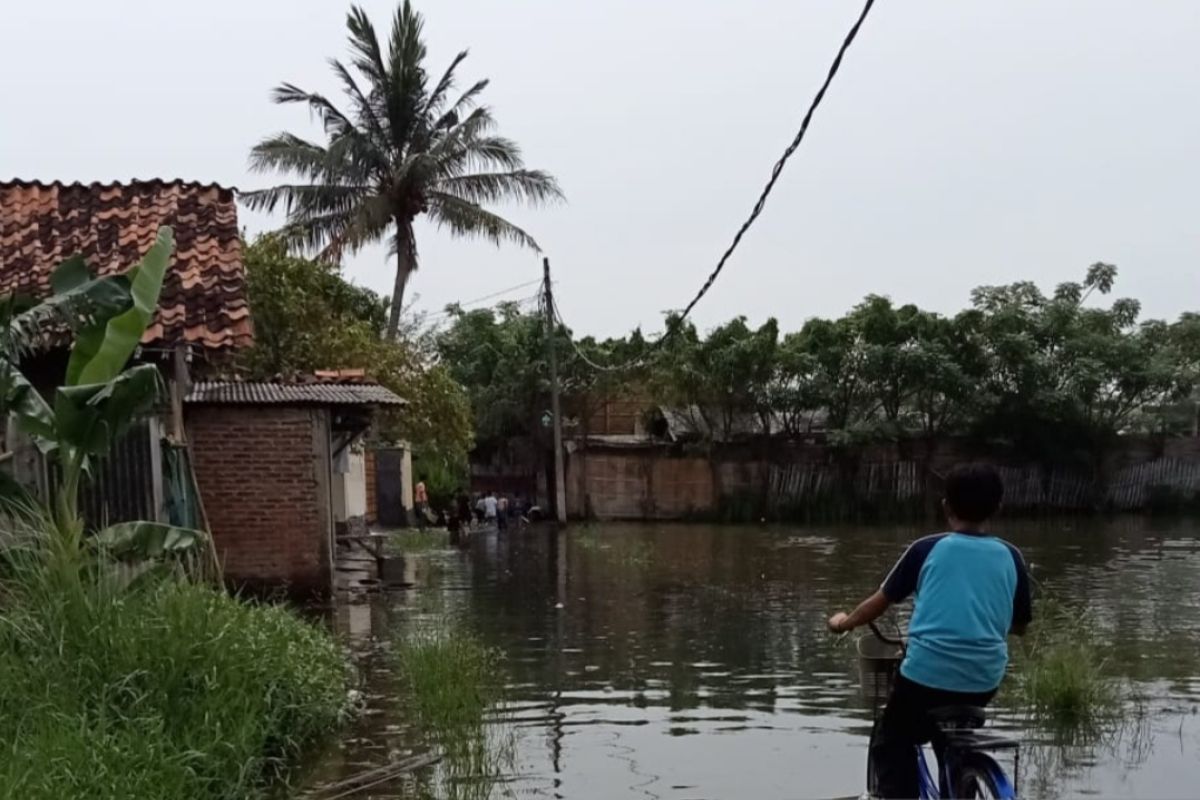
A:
(265, 456)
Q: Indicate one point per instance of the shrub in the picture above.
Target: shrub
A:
(452, 678)
(1060, 674)
(170, 691)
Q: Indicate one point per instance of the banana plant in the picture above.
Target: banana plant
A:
(101, 396)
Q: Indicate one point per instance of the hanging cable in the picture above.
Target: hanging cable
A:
(761, 203)
(583, 356)
(486, 297)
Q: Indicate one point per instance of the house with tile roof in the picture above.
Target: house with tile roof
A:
(262, 466)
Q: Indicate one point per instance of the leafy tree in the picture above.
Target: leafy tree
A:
(739, 365)
(947, 366)
(500, 357)
(403, 149)
(888, 340)
(1064, 379)
(308, 317)
(796, 394)
(838, 357)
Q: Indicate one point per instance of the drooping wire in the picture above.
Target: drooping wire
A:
(583, 356)
(487, 297)
(777, 170)
(761, 203)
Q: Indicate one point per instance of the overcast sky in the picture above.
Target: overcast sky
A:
(964, 142)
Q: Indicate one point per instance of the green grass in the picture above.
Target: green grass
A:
(166, 689)
(455, 690)
(452, 678)
(414, 540)
(1061, 677)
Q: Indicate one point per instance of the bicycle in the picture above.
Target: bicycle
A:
(966, 768)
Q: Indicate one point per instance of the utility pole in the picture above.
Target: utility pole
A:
(560, 480)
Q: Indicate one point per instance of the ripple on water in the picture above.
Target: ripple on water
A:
(703, 670)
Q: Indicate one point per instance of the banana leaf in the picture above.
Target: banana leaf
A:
(32, 413)
(102, 350)
(89, 418)
(141, 541)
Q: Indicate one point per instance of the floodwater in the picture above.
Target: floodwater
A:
(691, 661)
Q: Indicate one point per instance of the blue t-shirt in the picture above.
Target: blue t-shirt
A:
(970, 591)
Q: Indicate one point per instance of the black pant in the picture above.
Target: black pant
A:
(904, 725)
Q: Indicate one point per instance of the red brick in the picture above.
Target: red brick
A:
(256, 472)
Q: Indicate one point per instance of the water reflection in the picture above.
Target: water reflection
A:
(691, 661)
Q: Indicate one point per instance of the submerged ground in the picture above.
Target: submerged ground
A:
(690, 661)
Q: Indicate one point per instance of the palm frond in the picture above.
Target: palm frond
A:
(450, 148)
(368, 116)
(464, 218)
(288, 153)
(302, 201)
(484, 154)
(336, 123)
(364, 43)
(405, 86)
(523, 185)
(330, 235)
(467, 100)
(437, 97)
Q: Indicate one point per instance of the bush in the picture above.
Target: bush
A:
(452, 679)
(1060, 674)
(171, 691)
(455, 689)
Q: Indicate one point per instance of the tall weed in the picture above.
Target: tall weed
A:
(1061, 677)
(120, 684)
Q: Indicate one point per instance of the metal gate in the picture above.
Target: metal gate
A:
(126, 483)
(389, 487)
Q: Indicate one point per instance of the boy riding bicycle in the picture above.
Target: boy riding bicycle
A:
(971, 590)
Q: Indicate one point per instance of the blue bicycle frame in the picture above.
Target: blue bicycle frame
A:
(931, 789)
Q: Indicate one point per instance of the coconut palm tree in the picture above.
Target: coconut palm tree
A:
(402, 150)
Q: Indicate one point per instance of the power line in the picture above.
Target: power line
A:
(761, 203)
(486, 297)
(441, 316)
(778, 168)
(583, 356)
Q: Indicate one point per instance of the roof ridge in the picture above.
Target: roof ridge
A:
(59, 184)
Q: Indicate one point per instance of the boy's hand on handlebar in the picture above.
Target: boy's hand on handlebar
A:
(837, 623)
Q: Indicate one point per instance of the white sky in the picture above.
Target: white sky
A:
(964, 142)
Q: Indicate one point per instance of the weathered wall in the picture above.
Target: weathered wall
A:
(638, 484)
(349, 487)
(664, 483)
(259, 473)
(369, 478)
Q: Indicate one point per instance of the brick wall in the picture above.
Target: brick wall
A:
(257, 472)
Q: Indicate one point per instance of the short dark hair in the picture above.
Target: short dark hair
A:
(974, 491)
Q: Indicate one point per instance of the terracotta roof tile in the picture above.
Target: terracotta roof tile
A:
(113, 224)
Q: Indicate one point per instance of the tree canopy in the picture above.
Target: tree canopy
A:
(1056, 376)
(308, 317)
(400, 147)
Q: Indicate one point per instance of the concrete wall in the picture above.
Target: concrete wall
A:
(638, 485)
(350, 488)
(660, 482)
(263, 474)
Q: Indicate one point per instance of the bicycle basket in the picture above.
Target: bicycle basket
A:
(877, 663)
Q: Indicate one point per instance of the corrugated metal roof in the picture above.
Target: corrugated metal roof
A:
(280, 394)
